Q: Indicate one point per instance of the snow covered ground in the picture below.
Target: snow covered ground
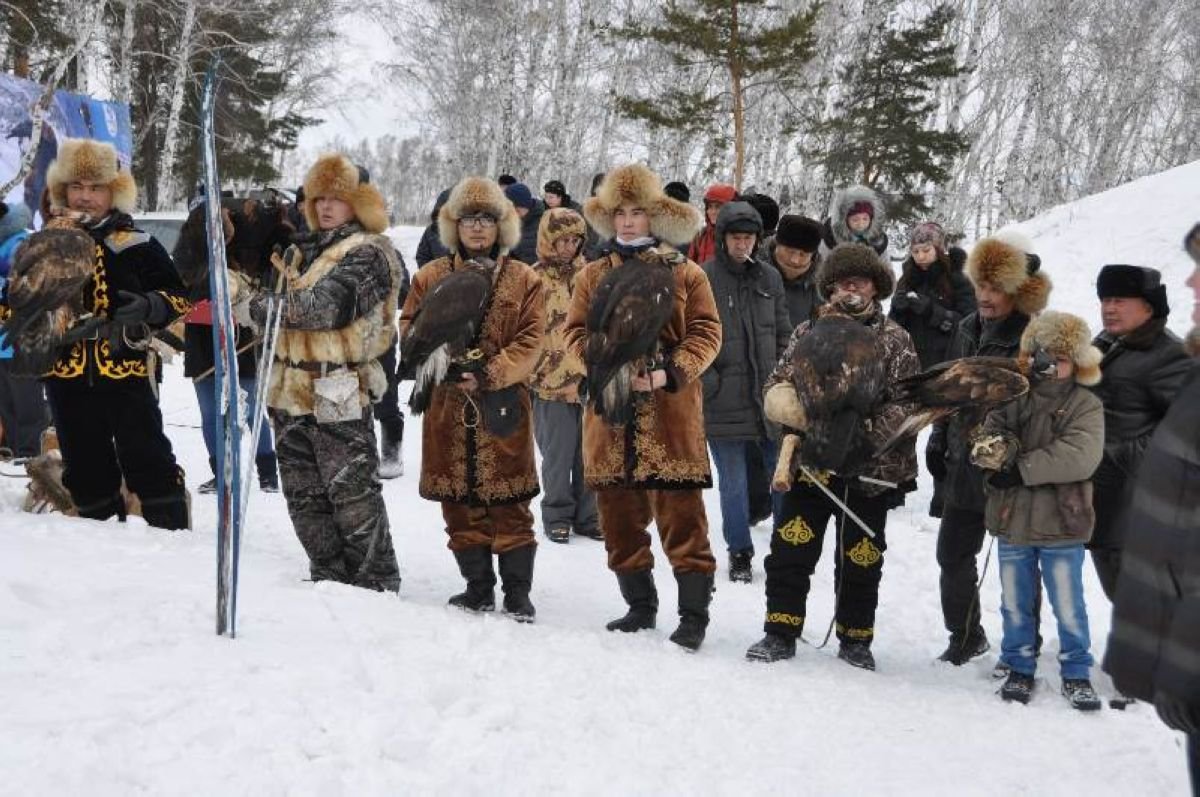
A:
(113, 682)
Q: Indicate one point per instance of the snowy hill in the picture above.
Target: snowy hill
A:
(112, 681)
(1141, 223)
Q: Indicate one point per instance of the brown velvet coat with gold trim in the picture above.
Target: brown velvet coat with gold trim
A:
(664, 447)
(462, 465)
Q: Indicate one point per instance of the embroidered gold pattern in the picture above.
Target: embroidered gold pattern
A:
(178, 304)
(796, 531)
(856, 633)
(73, 364)
(864, 554)
(116, 369)
(783, 618)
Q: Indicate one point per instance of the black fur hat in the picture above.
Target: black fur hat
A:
(1140, 282)
(799, 232)
(768, 211)
(855, 260)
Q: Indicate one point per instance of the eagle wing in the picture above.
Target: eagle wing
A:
(46, 295)
(972, 386)
(444, 325)
(629, 309)
(839, 378)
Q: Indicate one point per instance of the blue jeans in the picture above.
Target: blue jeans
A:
(1062, 573)
(729, 456)
(208, 416)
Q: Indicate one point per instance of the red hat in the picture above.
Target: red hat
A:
(720, 192)
(861, 206)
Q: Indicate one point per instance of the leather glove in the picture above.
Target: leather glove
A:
(1004, 479)
(1176, 714)
(935, 460)
(138, 308)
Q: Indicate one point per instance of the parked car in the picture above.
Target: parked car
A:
(164, 226)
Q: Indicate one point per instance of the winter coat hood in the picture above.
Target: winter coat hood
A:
(840, 207)
(736, 217)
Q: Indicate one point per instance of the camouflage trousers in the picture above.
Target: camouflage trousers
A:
(329, 477)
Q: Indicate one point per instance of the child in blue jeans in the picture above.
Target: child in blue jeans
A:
(1041, 451)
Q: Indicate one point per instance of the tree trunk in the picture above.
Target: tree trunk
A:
(166, 163)
(739, 99)
(123, 90)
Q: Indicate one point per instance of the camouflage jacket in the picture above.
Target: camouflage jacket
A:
(559, 371)
(895, 348)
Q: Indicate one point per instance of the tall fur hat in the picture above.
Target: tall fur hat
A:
(558, 223)
(855, 260)
(670, 220)
(335, 175)
(479, 195)
(1140, 282)
(94, 162)
(1063, 335)
(1006, 261)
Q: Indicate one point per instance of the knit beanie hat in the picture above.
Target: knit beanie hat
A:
(520, 195)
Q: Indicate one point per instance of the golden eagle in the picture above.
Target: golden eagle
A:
(444, 328)
(972, 386)
(839, 379)
(47, 294)
(631, 306)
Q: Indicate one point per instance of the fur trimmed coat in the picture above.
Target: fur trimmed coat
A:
(664, 447)
(461, 462)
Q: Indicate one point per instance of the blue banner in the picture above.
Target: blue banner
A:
(69, 116)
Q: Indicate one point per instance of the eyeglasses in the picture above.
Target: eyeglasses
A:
(480, 220)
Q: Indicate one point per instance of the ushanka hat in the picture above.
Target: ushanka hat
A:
(1139, 282)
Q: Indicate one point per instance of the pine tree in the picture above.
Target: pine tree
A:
(735, 36)
(879, 134)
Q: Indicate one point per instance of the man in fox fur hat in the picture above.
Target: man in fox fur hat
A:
(104, 407)
(485, 480)
(338, 319)
(1010, 288)
(654, 467)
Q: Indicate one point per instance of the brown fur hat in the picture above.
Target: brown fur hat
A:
(336, 176)
(671, 221)
(93, 162)
(479, 195)
(558, 223)
(855, 260)
(1005, 262)
(1063, 335)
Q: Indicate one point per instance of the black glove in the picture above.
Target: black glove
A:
(935, 460)
(920, 305)
(139, 308)
(900, 302)
(1004, 479)
(1177, 714)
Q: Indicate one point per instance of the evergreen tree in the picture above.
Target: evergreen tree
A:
(735, 35)
(879, 134)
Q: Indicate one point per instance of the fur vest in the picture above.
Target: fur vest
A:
(357, 346)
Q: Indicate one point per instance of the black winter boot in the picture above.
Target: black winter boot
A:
(772, 647)
(268, 473)
(637, 588)
(965, 646)
(170, 511)
(475, 564)
(695, 593)
(741, 568)
(1018, 688)
(857, 654)
(516, 575)
(391, 460)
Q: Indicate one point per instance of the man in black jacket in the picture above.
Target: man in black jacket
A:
(755, 330)
(794, 251)
(530, 210)
(105, 410)
(1010, 288)
(1144, 365)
